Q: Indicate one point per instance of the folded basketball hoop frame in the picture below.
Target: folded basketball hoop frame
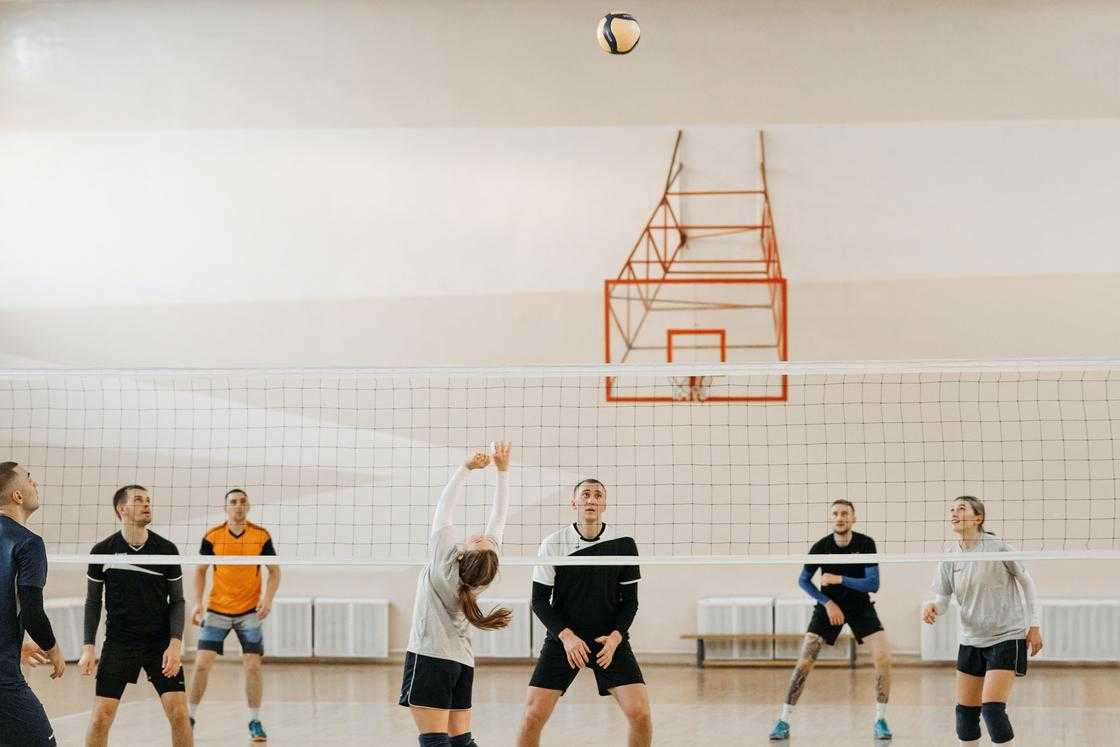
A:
(676, 294)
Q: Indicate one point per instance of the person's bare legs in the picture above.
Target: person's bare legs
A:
(430, 720)
(881, 657)
(539, 705)
(634, 700)
(254, 681)
(459, 722)
(100, 721)
(810, 649)
(175, 707)
(200, 675)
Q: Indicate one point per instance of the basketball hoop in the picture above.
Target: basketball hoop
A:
(690, 388)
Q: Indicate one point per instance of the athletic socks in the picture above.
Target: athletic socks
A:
(191, 709)
(254, 714)
(787, 713)
(463, 740)
(435, 739)
(880, 711)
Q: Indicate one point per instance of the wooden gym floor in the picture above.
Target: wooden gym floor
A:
(331, 704)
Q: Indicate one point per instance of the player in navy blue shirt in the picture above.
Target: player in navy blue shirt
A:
(844, 597)
(23, 574)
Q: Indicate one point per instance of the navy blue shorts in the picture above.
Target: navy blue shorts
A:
(1005, 655)
(23, 722)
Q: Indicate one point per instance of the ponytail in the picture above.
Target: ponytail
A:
(476, 570)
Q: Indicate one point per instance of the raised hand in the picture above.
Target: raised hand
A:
(501, 451)
(479, 461)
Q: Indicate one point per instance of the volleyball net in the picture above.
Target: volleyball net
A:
(345, 466)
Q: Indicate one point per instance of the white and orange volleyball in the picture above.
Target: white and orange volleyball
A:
(618, 33)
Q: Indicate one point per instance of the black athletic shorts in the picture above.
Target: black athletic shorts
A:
(1005, 655)
(429, 682)
(553, 672)
(121, 663)
(862, 622)
(23, 722)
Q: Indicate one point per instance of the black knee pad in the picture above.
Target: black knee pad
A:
(999, 726)
(968, 723)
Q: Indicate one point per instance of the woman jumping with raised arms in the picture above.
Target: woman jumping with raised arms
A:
(995, 632)
(439, 665)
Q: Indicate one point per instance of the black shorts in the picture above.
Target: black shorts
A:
(23, 722)
(429, 682)
(553, 672)
(862, 622)
(1010, 655)
(121, 663)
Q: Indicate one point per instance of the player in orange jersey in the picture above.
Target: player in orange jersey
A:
(236, 603)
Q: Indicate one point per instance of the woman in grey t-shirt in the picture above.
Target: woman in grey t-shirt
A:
(439, 664)
(995, 629)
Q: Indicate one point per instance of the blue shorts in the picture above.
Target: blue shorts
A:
(23, 722)
(216, 626)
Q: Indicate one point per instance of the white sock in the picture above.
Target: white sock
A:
(787, 713)
(254, 714)
(974, 741)
(880, 711)
(191, 708)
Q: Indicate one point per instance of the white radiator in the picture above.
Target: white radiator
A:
(728, 615)
(67, 616)
(513, 641)
(939, 641)
(1080, 630)
(792, 616)
(357, 628)
(287, 629)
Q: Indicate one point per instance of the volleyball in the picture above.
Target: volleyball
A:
(618, 33)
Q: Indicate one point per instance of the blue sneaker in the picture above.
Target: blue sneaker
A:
(781, 731)
(256, 732)
(882, 731)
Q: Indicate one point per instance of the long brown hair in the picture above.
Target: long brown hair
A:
(977, 508)
(477, 568)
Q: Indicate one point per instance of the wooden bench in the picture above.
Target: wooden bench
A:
(700, 638)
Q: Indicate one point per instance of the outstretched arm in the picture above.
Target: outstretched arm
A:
(496, 523)
(453, 491)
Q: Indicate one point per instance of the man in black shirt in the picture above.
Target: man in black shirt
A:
(844, 597)
(587, 611)
(144, 620)
(23, 573)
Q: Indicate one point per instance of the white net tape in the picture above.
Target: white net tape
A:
(345, 466)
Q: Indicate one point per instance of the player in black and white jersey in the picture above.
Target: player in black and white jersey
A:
(587, 611)
(144, 624)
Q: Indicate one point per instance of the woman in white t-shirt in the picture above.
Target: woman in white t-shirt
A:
(439, 664)
(995, 631)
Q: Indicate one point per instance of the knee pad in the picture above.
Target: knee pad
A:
(999, 726)
(434, 739)
(968, 723)
(463, 740)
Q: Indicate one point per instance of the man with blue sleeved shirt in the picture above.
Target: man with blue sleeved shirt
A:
(843, 597)
(23, 574)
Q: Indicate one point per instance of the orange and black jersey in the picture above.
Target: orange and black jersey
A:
(237, 588)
